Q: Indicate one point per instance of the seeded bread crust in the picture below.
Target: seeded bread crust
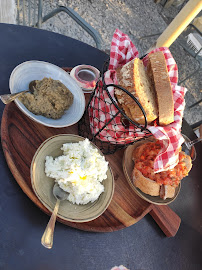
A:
(133, 77)
(158, 73)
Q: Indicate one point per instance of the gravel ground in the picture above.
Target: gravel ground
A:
(136, 19)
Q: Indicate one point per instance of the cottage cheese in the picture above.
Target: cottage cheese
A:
(79, 171)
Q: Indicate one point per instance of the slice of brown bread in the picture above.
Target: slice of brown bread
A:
(166, 191)
(151, 187)
(145, 184)
(133, 77)
(158, 73)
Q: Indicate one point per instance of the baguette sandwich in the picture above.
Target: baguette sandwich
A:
(161, 184)
(151, 87)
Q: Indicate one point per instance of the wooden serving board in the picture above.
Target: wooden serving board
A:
(20, 137)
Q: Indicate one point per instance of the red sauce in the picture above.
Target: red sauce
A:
(146, 164)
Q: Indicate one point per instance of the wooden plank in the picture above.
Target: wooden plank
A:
(21, 137)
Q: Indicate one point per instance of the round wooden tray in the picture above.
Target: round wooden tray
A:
(20, 139)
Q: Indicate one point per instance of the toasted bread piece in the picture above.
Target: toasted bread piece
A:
(133, 77)
(158, 73)
(166, 191)
(145, 184)
(149, 186)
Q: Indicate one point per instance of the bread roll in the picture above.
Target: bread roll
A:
(133, 77)
(158, 73)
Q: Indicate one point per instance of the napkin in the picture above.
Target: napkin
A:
(120, 267)
(123, 51)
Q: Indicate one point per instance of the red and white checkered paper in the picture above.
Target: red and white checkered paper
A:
(123, 51)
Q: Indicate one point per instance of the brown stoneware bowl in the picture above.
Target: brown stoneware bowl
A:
(43, 185)
(128, 166)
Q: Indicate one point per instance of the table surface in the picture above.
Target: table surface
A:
(141, 246)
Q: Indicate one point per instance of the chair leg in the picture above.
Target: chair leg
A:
(195, 104)
(75, 16)
(40, 19)
(196, 125)
(153, 35)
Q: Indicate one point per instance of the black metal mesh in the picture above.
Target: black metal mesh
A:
(107, 142)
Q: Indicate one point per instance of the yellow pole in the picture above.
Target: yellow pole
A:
(179, 23)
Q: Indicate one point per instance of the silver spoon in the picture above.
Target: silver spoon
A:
(191, 143)
(7, 98)
(47, 238)
(188, 146)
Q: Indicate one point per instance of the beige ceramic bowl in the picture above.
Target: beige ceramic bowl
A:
(128, 166)
(43, 185)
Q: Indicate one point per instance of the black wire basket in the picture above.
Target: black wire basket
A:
(106, 124)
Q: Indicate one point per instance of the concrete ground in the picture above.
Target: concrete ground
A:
(135, 18)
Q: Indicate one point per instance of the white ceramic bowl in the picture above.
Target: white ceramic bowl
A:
(28, 71)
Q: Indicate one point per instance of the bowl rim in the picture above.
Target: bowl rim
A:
(192, 152)
(81, 84)
(33, 116)
(146, 197)
(51, 209)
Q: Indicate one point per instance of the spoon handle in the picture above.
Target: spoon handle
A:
(47, 238)
(7, 98)
(194, 141)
